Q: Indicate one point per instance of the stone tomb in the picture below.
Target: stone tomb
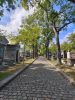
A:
(3, 44)
(11, 54)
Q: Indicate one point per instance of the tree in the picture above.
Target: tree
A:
(29, 35)
(70, 44)
(35, 31)
(47, 35)
(53, 48)
(65, 46)
(71, 39)
(37, 18)
(57, 19)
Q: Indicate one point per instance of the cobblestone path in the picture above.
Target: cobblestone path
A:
(39, 82)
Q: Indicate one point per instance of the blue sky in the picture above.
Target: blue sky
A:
(65, 33)
(12, 20)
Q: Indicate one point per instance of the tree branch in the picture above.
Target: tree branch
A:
(54, 28)
(65, 25)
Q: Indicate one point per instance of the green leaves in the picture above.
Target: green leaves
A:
(29, 34)
(54, 16)
(66, 46)
(70, 45)
(1, 2)
(53, 48)
(71, 40)
(25, 4)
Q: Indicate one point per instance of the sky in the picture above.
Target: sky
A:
(11, 22)
(65, 33)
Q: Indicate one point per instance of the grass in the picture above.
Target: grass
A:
(12, 69)
(70, 71)
(4, 75)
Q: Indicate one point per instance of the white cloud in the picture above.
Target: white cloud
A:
(16, 20)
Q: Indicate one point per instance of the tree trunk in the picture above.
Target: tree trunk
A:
(58, 49)
(36, 50)
(24, 54)
(33, 51)
(48, 54)
(47, 48)
(46, 51)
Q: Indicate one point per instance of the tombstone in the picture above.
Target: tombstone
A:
(70, 58)
(54, 56)
(49, 55)
(64, 54)
(27, 54)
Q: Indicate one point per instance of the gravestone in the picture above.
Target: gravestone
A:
(70, 58)
(64, 57)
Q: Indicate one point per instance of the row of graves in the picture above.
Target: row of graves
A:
(67, 58)
(9, 54)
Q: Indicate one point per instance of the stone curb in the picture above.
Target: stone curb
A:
(4, 82)
(71, 80)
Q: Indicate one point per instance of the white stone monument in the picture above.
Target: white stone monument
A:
(69, 58)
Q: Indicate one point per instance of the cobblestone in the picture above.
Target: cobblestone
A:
(40, 81)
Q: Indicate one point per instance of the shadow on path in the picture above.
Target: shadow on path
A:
(39, 82)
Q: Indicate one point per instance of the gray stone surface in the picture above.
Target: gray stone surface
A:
(40, 81)
(11, 77)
